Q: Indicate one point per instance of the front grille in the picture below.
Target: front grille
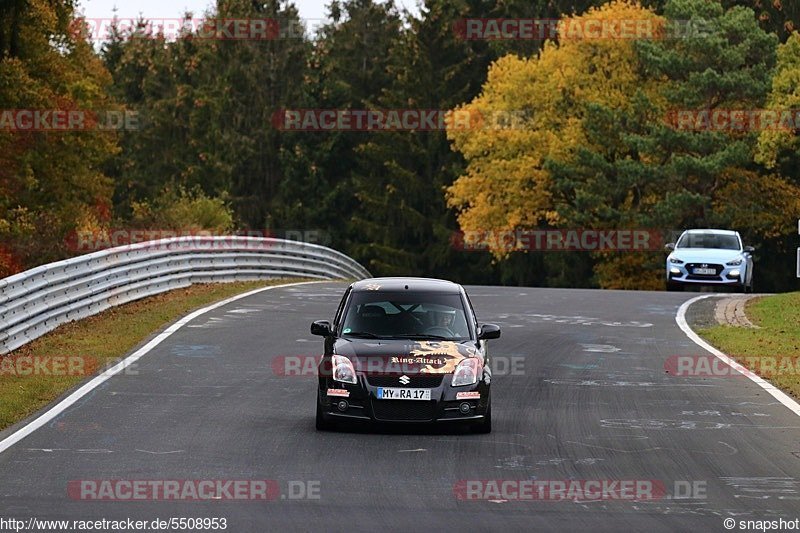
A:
(715, 276)
(417, 381)
(403, 409)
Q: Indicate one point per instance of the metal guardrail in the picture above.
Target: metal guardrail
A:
(39, 300)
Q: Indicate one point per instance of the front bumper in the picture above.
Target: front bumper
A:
(723, 274)
(362, 402)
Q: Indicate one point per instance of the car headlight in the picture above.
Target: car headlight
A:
(467, 372)
(675, 261)
(343, 369)
(735, 262)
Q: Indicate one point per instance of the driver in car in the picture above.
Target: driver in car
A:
(444, 319)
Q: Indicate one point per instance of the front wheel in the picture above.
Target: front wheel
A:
(740, 288)
(485, 425)
(322, 424)
(674, 287)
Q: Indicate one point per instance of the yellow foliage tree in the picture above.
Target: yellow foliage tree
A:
(506, 185)
(760, 203)
(784, 98)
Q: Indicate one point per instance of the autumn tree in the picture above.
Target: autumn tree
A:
(781, 17)
(52, 181)
(599, 149)
(508, 183)
(779, 146)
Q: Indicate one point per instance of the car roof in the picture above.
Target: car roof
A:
(411, 284)
(719, 231)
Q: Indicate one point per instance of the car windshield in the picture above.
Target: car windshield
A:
(709, 240)
(421, 315)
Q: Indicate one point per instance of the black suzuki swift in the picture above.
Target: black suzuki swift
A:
(405, 350)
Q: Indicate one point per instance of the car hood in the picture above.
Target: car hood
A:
(405, 356)
(705, 255)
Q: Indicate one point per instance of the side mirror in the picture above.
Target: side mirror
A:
(489, 331)
(321, 327)
(749, 249)
(670, 247)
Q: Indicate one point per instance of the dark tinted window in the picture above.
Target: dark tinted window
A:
(338, 317)
(406, 314)
(709, 240)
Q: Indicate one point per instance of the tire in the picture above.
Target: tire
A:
(322, 424)
(674, 287)
(485, 425)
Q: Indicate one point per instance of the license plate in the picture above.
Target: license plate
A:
(398, 393)
(704, 271)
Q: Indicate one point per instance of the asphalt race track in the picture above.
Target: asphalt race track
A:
(588, 399)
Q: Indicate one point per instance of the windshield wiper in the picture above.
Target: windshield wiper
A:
(364, 334)
(423, 336)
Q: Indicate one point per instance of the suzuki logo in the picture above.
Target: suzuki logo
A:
(405, 379)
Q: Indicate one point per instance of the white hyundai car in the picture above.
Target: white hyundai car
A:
(710, 257)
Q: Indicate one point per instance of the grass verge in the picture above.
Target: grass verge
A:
(71, 353)
(776, 345)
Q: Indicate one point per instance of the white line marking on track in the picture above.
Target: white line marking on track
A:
(158, 453)
(601, 348)
(98, 380)
(776, 393)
